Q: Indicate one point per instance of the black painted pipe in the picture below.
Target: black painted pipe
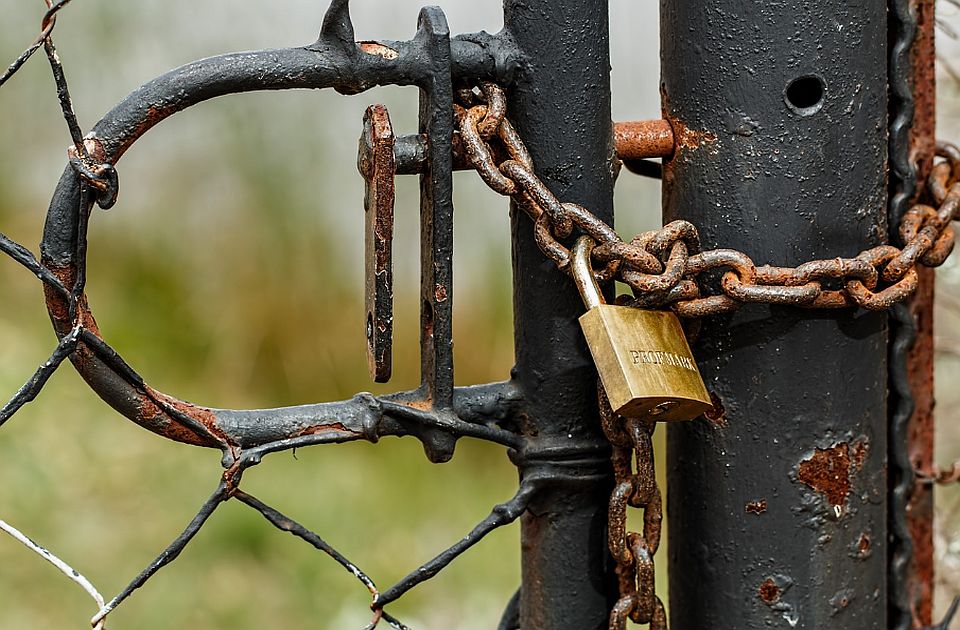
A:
(560, 104)
(777, 511)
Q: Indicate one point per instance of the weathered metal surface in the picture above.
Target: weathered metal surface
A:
(783, 155)
(920, 360)
(560, 105)
(377, 164)
(921, 435)
(436, 230)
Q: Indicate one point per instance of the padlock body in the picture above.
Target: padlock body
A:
(645, 363)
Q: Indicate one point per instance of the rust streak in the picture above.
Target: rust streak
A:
(756, 507)
(203, 415)
(687, 139)
(335, 427)
(920, 360)
(859, 454)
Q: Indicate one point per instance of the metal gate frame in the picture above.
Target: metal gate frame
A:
(797, 503)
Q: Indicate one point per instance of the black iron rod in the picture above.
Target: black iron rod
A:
(560, 104)
(777, 507)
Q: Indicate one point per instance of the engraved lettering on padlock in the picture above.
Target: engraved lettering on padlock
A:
(658, 357)
(642, 356)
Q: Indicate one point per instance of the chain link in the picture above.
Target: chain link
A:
(664, 269)
(636, 486)
(663, 266)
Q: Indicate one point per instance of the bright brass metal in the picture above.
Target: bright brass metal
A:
(642, 356)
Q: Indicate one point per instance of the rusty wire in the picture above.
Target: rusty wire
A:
(940, 476)
(665, 267)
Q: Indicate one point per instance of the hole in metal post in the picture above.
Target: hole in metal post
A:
(804, 95)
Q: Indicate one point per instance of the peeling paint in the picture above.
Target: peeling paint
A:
(829, 470)
(378, 49)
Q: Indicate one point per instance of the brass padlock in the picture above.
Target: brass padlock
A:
(642, 356)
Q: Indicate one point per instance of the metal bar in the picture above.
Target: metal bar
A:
(639, 139)
(777, 506)
(920, 429)
(436, 229)
(560, 104)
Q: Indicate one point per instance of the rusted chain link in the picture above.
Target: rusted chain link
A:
(633, 466)
(663, 266)
(940, 476)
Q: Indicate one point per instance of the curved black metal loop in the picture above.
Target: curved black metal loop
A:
(334, 61)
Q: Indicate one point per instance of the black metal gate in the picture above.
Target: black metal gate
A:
(786, 136)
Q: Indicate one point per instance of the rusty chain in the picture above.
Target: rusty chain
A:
(662, 267)
(636, 486)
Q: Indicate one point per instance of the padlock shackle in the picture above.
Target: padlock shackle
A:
(583, 273)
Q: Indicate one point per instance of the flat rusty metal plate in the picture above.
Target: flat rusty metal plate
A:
(377, 164)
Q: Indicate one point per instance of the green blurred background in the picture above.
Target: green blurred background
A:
(230, 274)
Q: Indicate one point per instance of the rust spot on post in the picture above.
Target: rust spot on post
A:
(756, 507)
(686, 139)
(769, 592)
(858, 454)
(828, 472)
(717, 415)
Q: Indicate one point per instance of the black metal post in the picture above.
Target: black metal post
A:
(561, 107)
(777, 509)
